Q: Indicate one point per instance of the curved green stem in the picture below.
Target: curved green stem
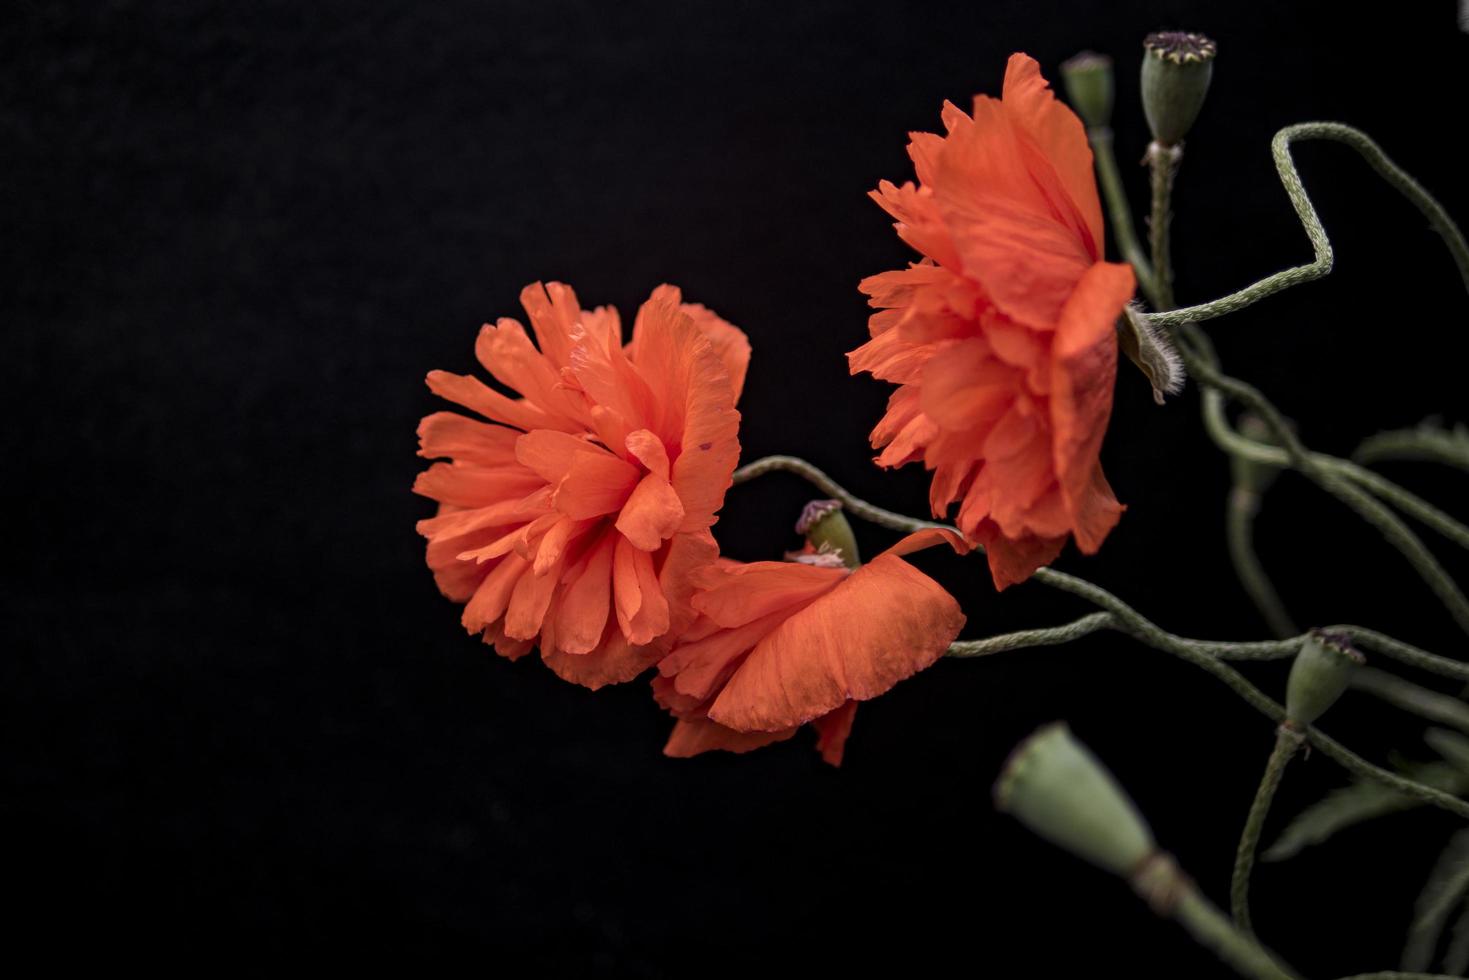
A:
(1119, 212)
(1423, 443)
(1206, 655)
(1239, 519)
(1441, 709)
(1280, 148)
(1287, 741)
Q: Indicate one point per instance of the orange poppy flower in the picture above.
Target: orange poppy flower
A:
(778, 644)
(1002, 338)
(574, 518)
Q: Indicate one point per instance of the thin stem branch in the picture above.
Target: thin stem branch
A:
(1280, 149)
(1287, 741)
(1329, 475)
(1239, 524)
(1119, 212)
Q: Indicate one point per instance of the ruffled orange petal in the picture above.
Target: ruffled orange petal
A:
(1059, 135)
(652, 513)
(1082, 377)
(885, 622)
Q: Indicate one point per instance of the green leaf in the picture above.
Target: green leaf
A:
(1357, 803)
(1447, 883)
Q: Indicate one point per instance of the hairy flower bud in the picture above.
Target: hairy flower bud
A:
(1056, 787)
(828, 532)
(1088, 80)
(1177, 67)
(1318, 676)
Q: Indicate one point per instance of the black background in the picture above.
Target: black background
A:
(241, 724)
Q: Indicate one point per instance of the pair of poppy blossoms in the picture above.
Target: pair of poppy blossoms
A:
(577, 518)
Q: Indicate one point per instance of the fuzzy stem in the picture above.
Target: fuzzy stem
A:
(1020, 639)
(1162, 166)
(1280, 148)
(1287, 741)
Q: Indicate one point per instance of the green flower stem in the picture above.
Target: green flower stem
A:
(1162, 167)
(1021, 639)
(1441, 709)
(1119, 211)
(1420, 444)
(1388, 646)
(1239, 524)
(1212, 930)
(1204, 654)
(1287, 742)
(1280, 148)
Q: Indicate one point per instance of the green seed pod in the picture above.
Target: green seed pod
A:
(1177, 67)
(827, 530)
(1056, 787)
(1319, 675)
(1088, 80)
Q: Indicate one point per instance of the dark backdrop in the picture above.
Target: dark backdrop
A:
(240, 721)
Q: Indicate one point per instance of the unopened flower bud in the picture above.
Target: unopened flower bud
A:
(1088, 80)
(827, 531)
(1177, 67)
(1319, 675)
(1058, 789)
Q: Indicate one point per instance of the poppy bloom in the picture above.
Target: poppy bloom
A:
(1002, 338)
(779, 644)
(574, 518)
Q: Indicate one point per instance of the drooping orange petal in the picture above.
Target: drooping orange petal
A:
(832, 731)
(1014, 560)
(885, 622)
(692, 736)
(734, 596)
